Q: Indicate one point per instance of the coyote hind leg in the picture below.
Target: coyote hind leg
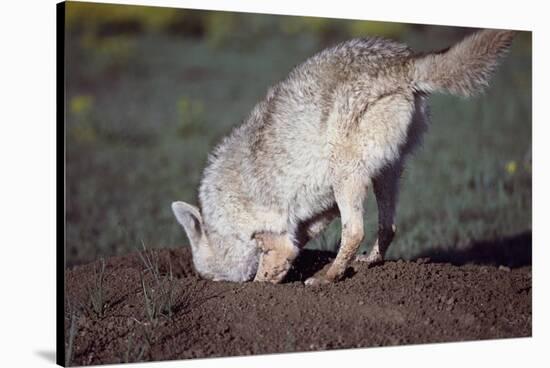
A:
(386, 187)
(278, 253)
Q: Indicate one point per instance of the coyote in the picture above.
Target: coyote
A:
(342, 121)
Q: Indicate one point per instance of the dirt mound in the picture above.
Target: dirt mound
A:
(150, 315)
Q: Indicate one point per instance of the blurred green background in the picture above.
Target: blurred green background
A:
(151, 90)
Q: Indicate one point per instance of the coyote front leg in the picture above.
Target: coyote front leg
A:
(349, 195)
(278, 253)
(386, 188)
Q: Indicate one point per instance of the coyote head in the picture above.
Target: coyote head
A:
(190, 218)
(213, 259)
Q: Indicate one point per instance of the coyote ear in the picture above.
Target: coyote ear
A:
(190, 218)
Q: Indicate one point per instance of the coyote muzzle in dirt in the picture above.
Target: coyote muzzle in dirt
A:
(342, 121)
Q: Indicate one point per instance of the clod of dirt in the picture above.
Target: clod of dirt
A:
(391, 304)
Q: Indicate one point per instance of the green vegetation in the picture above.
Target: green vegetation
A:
(150, 92)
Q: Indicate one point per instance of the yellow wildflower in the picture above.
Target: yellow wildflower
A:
(81, 104)
(511, 167)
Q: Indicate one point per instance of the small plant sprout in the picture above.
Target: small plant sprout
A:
(151, 310)
(158, 295)
(96, 292)
(150, 261)
(134, 352)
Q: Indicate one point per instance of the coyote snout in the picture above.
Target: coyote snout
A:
(342, 121)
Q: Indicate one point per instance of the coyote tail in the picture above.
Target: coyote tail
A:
(465, 68)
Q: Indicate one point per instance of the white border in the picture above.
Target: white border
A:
(27, 195)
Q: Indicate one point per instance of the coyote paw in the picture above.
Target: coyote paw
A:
(317, 280)
(370, 260)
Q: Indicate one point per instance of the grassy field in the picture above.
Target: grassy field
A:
(144, 107)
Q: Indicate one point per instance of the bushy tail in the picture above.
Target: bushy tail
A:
(465, 68)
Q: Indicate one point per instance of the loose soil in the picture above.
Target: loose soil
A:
(394, 303)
